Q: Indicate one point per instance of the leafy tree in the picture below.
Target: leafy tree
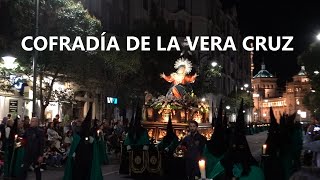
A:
(310, 59)
(235, 97)
(56, 17)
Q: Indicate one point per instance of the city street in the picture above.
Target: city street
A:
(111, 171)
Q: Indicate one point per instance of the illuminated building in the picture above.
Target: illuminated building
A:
(266, 95)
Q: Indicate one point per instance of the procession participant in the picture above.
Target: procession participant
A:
(291, 145)
(271, 164)
(168, 145)
(238, 161)
(216, 146)
(83, 160)
(136, 139)
(137, 135)
(101, 142)
(124, 162)
(34, 148)
(194, 144)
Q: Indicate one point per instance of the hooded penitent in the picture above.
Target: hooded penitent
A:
(170, 133)
(86, 163)
(86, 124)
(136, 131)
(217, 144)
(291, 145)
(272, 141)
(271, 164)
(239, 153)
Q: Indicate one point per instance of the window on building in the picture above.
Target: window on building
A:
(181, 27)
(181, 4)
(145, 5)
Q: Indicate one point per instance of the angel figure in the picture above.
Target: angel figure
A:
(180, 79)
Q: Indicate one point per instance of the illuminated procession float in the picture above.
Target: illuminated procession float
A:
(180, 103)
(175, 109)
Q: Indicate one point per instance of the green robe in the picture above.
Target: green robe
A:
(143, 140)
(96, 173)
(103, 151)
(255, 173)
(19, 156)
(211, 162)
(12, 167)
(171, 146)
(290, 154)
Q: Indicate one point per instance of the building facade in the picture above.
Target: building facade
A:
(188, 18)
(266, 94)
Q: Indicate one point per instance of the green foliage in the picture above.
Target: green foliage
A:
(205, 82)
(311, 102)
(310, 59)
(234, 99)
(56, 18)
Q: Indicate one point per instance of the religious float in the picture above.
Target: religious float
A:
(180, 103)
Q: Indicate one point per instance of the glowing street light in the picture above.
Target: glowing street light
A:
(9, 62)
(316, 72)
(214, 64)
(318, 37)
(203, 99)
(246, 85)
(228, 107)
(312, 90)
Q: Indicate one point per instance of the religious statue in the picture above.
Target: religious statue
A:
(180, 79)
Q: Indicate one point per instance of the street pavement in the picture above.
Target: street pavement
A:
(110, 172)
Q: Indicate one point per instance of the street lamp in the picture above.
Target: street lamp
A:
(214, 64)
(318, 37)
(246, 85)
(316, 72)
(228, 107)
(9, 62)
(203, 99)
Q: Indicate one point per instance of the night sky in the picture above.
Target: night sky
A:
(300, 19)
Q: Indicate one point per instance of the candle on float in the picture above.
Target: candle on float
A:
(202, 167)
(264, 149)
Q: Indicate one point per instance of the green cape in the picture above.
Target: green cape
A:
(211, 162)
(171, 146)
(143, 140)
(96, 173)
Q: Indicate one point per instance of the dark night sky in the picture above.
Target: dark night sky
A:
(300, 19)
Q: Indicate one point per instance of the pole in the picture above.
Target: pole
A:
(34, 66)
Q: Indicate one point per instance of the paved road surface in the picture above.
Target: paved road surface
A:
(110, 172)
